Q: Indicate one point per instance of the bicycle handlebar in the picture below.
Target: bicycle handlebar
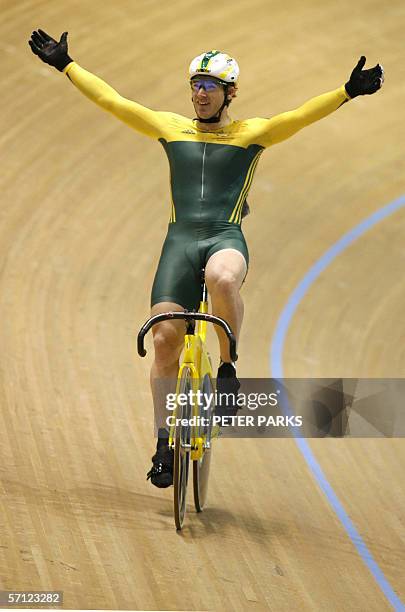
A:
(187, 316)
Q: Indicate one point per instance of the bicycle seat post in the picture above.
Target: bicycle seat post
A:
(204, 292)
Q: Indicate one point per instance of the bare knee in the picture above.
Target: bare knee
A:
(167, 343)
(223, 282)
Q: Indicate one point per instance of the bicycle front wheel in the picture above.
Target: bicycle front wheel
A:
(201, 467)
(182, 440)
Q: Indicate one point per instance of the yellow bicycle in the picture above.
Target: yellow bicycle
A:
(191, 425)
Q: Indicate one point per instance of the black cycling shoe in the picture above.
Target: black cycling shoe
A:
(229, 384)
(161, 473)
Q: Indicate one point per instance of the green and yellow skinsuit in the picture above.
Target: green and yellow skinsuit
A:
(210, 174)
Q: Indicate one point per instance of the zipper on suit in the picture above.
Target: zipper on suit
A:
(202, 171)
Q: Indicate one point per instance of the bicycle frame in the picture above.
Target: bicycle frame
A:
(197, 360)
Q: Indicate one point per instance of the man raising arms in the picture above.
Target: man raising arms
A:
(212, 162)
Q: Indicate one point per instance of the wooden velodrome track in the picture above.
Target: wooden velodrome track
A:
(84, 209)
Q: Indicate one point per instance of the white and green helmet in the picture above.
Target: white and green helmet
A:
(216, 64)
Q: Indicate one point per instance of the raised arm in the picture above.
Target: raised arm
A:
(135, 115)
(280, 127)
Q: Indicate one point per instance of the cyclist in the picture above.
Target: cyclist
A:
(212, 161)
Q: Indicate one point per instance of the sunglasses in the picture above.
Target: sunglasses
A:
(206, 84)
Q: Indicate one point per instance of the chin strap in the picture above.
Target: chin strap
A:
(217, 117)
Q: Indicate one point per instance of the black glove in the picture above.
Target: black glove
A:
(363, 82)
(49, 51)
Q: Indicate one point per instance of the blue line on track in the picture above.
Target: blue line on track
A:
(276, 366)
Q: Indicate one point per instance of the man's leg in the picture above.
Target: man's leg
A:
(224, 275)
(168, 339)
